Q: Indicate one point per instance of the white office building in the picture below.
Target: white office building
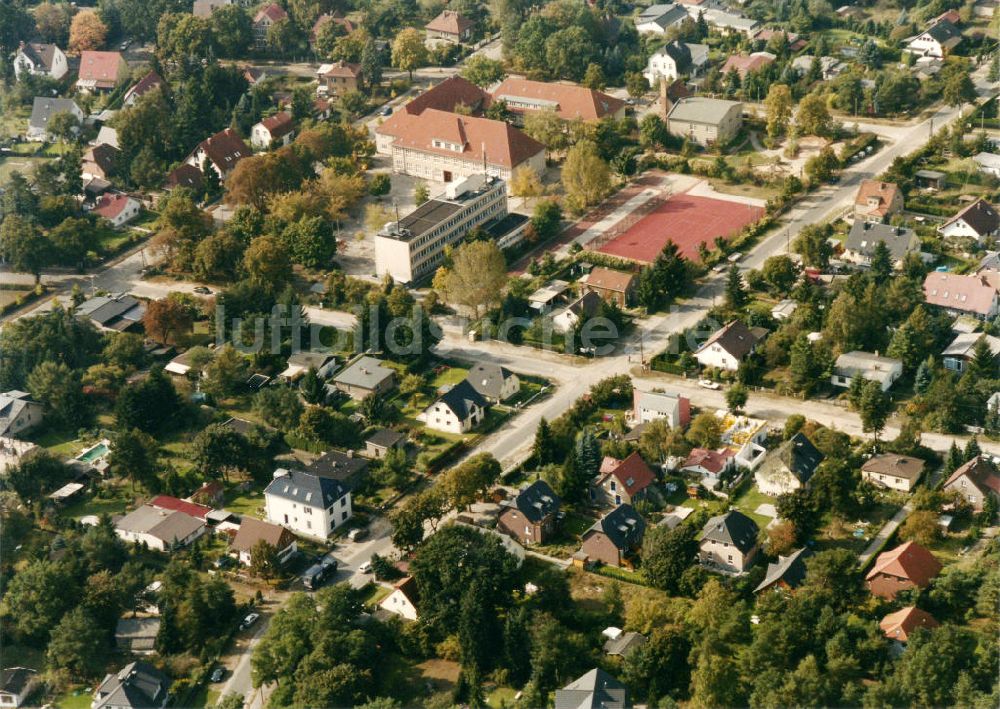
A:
(413, 247)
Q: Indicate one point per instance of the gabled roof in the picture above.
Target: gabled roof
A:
(385, 438)
(735, 338)
(40, 54)
(537, 501)
(609, 279)
(964, 344)
(503, 144)
(273, 12)
(790, 569)
(743, 64)
(712, 461)
(103, 155)
(450, 22)
(981, 217)
(462, 399)
(907, 561)
(450, 93)
(341, 69)
(800, 456)
(884, 192)
(901, 624)
(623, 526)
(981, 472)
(305, 488)
(146, 84)
(113, 311)
(734, 528)
(168, 502)
(586, 305)
(569, 101)
(15, 679)
(665, 15)
(488, 378)
(12, 403)
(185, 175)
(632, 473)
(594, 690)
(110, 206)
(944, 33)
(102, 67)
(679, 52)
(904, 467)
(279, 124)
(138, 685)
(974, 294)
(166, 525)
(624, 644)
(42, 109)
(225, 149)
(408, 587)
(865, 236)
(253, 530)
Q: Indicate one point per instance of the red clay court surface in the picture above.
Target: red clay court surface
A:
(687, 221)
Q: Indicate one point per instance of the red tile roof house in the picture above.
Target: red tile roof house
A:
(275, 130)
(451, 26)
(702, 461)
(974, 481)
(876, 201)
(338, 78)
(447, 147)
(743, 64)
(101, 71)
(119, 209)
(612, 286)
(265, 18)
(899, 626)
(252, 531)
(621, 481)
(907, 566)
(174, 504)
(569, 101)
(150, 81)
(453, 91)
(795, 43)
(961, 295)
(222, 150)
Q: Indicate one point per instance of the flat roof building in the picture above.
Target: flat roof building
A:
(413, 247)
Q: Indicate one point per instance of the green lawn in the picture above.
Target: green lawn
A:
(245, 504)
(23, 164)
(77, 699)
(501, 696)
(449, 377)
(97, 506)
(375, 595)
(750, 500)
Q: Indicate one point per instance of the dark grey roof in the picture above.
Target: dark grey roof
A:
(44, 108)
(488, 378)
(537, 501)
(734, 528)
(679, 52)
(624, 526)
(385, 438)
(864, 236)
(791, 569)
(943, 32)
(624, 644)
(981, 216)
(365, 373)
(15, 679)
(40, 54)
(461, 399)
(800, 456)
(108, 311)
(138, 685)
(594, 690)
(306, 488)
(338, 465)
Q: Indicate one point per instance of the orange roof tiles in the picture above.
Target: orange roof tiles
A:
(907, 561)
(569, 101)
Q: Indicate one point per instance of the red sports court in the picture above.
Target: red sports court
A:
(684, 219)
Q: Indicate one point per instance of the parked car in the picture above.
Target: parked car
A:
(249, 620)
(709, 384)
(217, 674)
(386, 111)
(317, 574)
(366, 567)
(202, 290)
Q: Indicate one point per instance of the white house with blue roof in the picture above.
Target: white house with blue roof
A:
(308, 504)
